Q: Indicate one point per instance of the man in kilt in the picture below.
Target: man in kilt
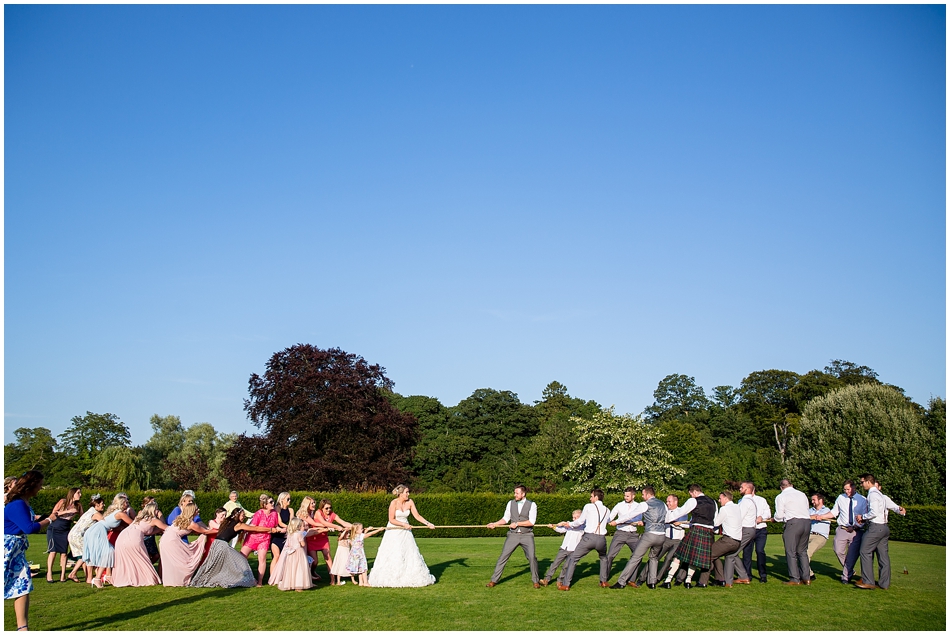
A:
(695, 550)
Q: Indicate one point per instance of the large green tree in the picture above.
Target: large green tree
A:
(866, 427)
(168, 438)
(676, 396)
(33, 449)
(85, 438)
(615, 451)
(549, 451)
(119, 468)
(198, 464)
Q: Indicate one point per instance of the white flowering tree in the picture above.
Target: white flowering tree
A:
(616, 451)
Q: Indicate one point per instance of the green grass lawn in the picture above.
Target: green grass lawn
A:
(460, 601)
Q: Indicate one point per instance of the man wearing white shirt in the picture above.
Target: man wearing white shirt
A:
(572, 536)
(849, 506)
(791, 508)
(876, 535)
(763, 514)
(654, 531)
(671, 539)
(520, 515)
(729, 517)
(748, 511)
(624, 516)
(594, 521)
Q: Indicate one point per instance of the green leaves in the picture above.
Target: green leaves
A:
(615, 451)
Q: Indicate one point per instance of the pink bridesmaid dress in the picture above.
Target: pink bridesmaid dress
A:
(179, 559)
(292, 571)
(132, 565)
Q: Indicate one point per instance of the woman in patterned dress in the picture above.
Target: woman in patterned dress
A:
(18, 521)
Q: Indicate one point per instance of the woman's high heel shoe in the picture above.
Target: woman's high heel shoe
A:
(96, 582)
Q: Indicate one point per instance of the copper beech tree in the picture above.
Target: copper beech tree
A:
(327, 425)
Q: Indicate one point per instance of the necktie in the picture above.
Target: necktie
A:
(671, 532)
(850, 511)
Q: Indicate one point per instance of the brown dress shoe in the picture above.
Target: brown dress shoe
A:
(544, 582)
(561, 587)
(537, 585)
(792, 583)
(741, 581)
(604, 585)
(491, 584)
(633, 584)
(861, 585)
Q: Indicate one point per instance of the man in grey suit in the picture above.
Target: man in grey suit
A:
(520, 516)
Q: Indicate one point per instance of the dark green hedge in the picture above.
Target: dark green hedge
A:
(924, 524)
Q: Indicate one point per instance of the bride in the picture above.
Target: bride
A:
(398, 562)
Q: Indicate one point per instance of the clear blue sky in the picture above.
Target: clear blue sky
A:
(472, 197)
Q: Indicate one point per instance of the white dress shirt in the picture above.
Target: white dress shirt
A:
(856, 505)
(673, 515)
(626, 514)
(820, 527)
(572, 536)
(594, 519)
(748, 509)
(729, 517)
(791, 504)
(532, 511)
(878, 506)
(761, 509)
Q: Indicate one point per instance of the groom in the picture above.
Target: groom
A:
(520, 515)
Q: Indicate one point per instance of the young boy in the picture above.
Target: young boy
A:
(572, 536)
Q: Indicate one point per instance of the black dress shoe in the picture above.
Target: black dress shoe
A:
(812, 577)
(616, 585)
(677, 582)
(718, 583)
(687, 585)
(701, 586)
(763, 580)
(665, 585)
(651, 586)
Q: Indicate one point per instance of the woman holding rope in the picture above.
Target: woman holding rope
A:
(398, 562)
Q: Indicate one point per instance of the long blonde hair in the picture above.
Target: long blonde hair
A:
(117, 505)
(282, 497)
(149, 511)
(304, 511)
(188, 511)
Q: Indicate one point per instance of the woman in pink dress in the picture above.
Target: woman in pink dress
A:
(133, 566)
(266, 516)
(322, 517)
(180, 558)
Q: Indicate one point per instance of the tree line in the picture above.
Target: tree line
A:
(328, 420)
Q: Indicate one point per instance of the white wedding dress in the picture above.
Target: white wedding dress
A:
(398, 562)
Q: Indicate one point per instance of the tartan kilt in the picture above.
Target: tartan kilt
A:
(696, 548)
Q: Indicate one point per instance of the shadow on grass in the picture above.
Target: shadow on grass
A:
(438, 569)
(177, 603)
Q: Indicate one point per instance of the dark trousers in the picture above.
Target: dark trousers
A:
(590, 542)
(795, 537)
(761, 536)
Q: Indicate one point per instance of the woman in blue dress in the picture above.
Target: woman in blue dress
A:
(18, 521)
(97, 551)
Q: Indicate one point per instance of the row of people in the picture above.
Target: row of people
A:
(684, 537)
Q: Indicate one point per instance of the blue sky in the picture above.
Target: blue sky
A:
(487, 196)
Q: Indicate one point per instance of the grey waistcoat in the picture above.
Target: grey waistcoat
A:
(654, 518)
(518, 518)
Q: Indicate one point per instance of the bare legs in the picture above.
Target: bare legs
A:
(21, 606)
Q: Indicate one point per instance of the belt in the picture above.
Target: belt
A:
(815, 533)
